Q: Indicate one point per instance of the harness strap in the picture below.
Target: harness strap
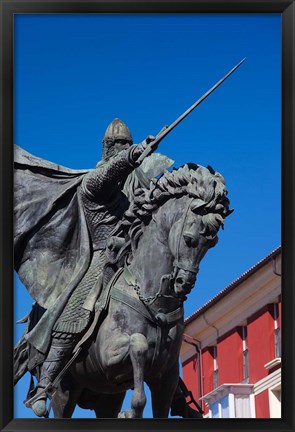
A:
(129, 277)
(161, 319)
(174, 316)
(157, 346)
(132, 302)
(183, 266)
(181, 232)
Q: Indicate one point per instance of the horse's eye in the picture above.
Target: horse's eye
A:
(189, 239)
(209, 233)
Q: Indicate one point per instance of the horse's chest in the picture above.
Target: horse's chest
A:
(165, 344)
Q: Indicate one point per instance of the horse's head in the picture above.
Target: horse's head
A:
(189, 240)
(188, 206)
(203, 211)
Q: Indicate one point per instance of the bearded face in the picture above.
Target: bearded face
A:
(112, 147)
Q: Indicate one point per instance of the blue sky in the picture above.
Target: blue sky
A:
(75, 73)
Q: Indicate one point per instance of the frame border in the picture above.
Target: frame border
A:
(7, 10)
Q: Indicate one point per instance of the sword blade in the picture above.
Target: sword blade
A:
(166, 131)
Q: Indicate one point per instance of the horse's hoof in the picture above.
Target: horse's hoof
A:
(39, 408)
(125, 414)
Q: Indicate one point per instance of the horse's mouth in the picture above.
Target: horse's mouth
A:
(182, 291)
(181, 296)
(184, 282)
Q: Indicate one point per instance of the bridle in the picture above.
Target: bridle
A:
(178, 264)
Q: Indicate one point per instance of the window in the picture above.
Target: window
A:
(245, 356)
(215, 367)
(220, 408)
(224, 403)
(277, 331)
(214, 408)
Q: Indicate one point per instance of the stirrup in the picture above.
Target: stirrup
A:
(45, 393)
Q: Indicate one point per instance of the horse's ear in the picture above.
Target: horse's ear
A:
(196, 204)
(211, 170)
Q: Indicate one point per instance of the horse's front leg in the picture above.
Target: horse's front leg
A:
(138, 352)
(163, 390)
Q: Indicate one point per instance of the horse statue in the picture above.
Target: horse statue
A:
(169, 226)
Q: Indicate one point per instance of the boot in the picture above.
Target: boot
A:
(56, 360)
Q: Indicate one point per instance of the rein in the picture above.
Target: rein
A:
(143, 304)
(131, 281)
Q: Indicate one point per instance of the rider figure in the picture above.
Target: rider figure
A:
(104, 204)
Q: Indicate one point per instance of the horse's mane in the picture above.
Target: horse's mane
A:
(203, 184)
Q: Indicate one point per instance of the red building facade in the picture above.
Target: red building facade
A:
(231, 353)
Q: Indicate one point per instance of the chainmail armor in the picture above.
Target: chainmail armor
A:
(74, 318)
(102, 219)
(102, 184)
(103, 201)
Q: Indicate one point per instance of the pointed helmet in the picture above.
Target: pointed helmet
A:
(117, 130)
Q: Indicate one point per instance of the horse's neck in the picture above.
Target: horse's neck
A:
(152, 259)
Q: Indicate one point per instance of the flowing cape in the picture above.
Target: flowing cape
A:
(51, 241)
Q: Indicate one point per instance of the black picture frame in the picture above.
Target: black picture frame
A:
(11, 7)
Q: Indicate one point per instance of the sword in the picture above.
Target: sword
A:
(168, 129)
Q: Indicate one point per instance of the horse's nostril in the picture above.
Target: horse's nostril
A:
(179, 281)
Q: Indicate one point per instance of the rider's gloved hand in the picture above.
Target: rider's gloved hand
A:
(136, 150)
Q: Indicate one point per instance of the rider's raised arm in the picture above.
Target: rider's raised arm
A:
(109, 177)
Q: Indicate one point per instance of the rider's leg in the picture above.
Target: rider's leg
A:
(68, 330)
(58, 355)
